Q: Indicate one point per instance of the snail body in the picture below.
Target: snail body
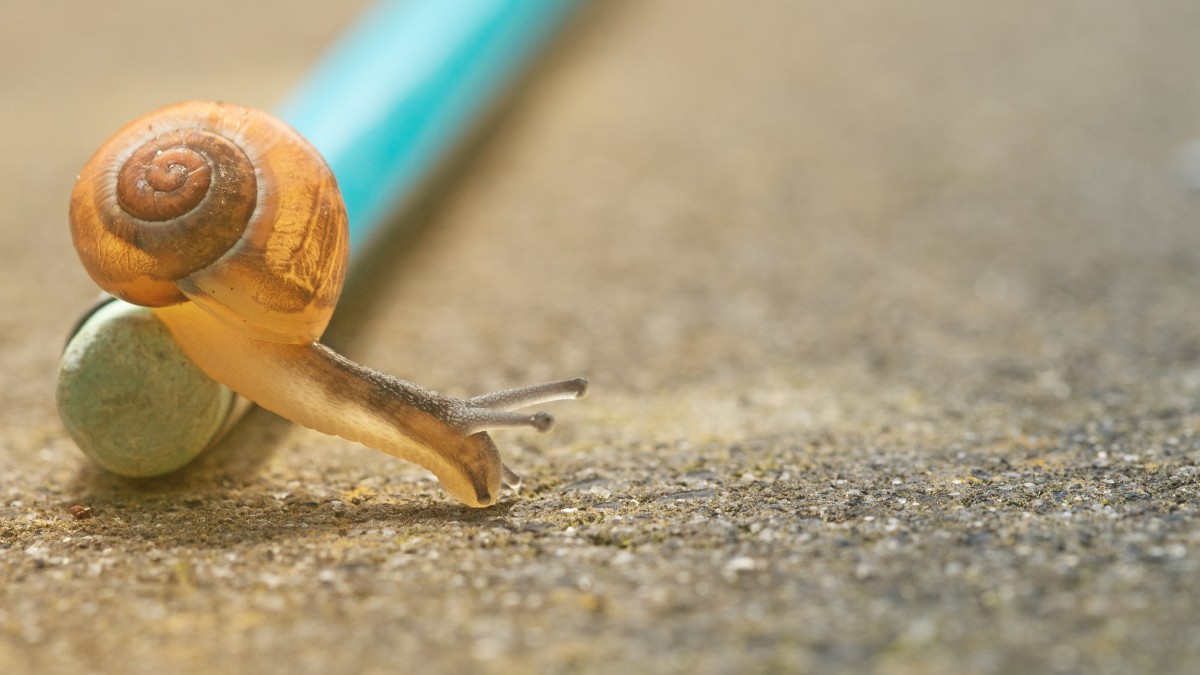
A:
(230, 225)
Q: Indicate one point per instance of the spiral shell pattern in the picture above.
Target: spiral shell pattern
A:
(219, 204)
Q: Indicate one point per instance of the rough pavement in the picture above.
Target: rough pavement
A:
(890, 311)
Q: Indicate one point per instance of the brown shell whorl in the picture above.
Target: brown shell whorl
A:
(185, 198)
(166, 177)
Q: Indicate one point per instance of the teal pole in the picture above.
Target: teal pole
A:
(392, 99)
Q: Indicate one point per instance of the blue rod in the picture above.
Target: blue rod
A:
(404, 85)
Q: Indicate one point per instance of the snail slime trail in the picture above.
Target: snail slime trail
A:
(231, 225)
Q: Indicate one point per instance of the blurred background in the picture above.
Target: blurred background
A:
(890, 311)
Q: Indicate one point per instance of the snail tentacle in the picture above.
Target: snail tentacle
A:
(473, 420)
(495, 410)
(534, 394)
(511, 480)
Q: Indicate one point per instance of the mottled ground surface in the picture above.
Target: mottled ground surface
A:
(891, 312)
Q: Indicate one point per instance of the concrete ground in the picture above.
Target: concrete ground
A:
(891, 311)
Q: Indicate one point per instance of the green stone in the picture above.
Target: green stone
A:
(131, 399)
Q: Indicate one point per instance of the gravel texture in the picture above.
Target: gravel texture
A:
(890, 312)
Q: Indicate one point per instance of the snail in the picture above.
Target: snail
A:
(230, 225)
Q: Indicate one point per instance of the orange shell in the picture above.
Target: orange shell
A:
(219, 204)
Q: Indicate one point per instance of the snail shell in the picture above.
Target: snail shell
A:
(223, 205)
